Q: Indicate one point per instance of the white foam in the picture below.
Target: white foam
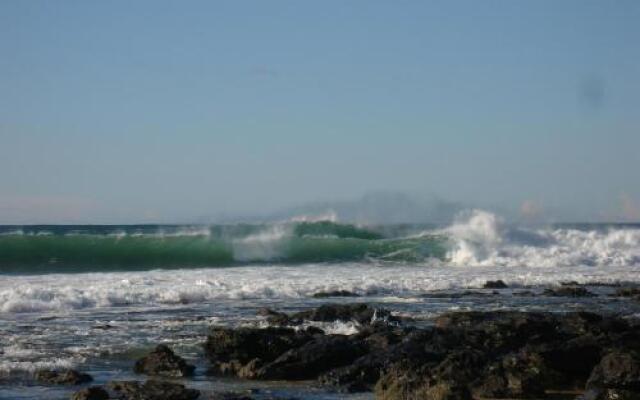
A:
(480, 238)
(32, 366)
(62, 292)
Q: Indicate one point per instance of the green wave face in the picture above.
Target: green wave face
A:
(326, 228)
(303, 243)
(68, 253)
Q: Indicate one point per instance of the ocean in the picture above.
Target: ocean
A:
(96, 298)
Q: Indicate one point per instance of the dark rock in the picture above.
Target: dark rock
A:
(610, 394)
(313, 358)
(335, 293)
(244, 396)
(406, 380)
(91, 393)
(568, 291)
(499, 284)
(229, 396)
(459, 295)
(359, 376)
(517, 375)
(628, 292)
(360, 312)
(246, 344)
(275, 317)
(163, 362)
(572, 360)
(152, 390)
(67, 377)
(490, 354)
(617, 370)
(524, 293)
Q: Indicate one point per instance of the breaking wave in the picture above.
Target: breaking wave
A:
(476, 238)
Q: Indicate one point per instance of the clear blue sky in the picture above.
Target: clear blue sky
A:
(134, 111)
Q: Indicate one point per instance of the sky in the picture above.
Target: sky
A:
(171, 111)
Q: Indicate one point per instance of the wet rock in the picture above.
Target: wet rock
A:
(617, 370)
(459, 295)
(571, 360)
(568, 291)
(499, 284)
(524, 293)
(628, 292)
(313, 358)
(91, 393)
(610, 394)
(359, 376)
(245, 396)
(230, 396)
(335, 293)
(490, 354)
(275, 317)
(66, 377)
(360, 312)
(409, 381)
(163, 362)
(152, 390)
(517, 375)
(245, 344)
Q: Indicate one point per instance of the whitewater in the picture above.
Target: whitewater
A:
(95, 297)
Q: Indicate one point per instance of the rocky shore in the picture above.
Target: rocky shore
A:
(458, 355)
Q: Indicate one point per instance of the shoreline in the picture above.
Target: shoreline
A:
(457, 355)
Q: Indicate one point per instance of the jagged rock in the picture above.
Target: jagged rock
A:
(568, 291)
(524, 293)
(66, 377)
(245, 344)
(617, 370)
(360, 312)
(163, 362)
(459, 295)
(274, 317)
(244, 396)
(313, 358)
(91, 393)
(499, 284)
(518, 375)
(229, 396)
(633, 292)
(152, 390)
(610, 394)
(490, 354)
(335, 293)
(407, 381)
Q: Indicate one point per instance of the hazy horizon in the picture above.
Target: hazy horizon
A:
(170, 112)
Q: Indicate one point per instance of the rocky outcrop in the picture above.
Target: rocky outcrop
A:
(568, 291)
(335, 293)
(91, 393)
(151, 390)
(66, 377)
(617, 370)
(359, 312)
(463, 355)
(631, 292)
(499, 284)
(163, 362)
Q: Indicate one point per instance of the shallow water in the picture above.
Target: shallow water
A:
(101, 323)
